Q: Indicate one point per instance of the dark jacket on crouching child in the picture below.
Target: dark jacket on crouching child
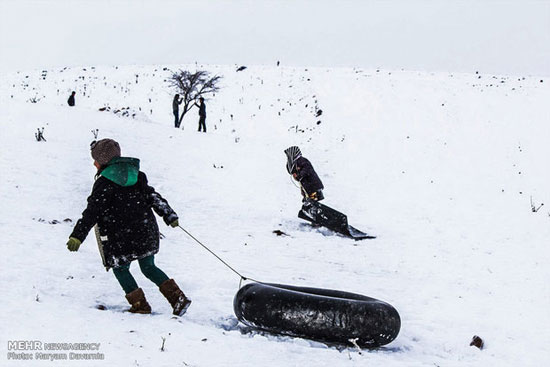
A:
(307, 176)
(301, 169)
(121, 205)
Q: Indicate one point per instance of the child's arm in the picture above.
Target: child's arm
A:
(159, 204)
(99, 196)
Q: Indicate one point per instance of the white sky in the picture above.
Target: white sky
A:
(506, 37)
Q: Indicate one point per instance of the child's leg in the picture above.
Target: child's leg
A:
(126, 280)
(134, 295)
(150, 270)
(167, 287)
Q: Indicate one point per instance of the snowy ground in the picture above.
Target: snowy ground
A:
(441, 167)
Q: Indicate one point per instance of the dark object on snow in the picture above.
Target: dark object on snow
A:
(39, 135)
(320, 214)
(477, 342)
(319, 314)
(101, 307)
(319, 113)
(279, 233)
(301, 169)
(241, 68)
(70, 101)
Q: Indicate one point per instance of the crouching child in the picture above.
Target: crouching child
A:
(120, 208)
(302, 171)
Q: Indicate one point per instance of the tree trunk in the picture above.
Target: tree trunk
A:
(186, 109)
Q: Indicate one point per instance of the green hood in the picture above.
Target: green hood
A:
(122, 170)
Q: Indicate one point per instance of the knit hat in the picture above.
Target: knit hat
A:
(292, 154)
(104, 150)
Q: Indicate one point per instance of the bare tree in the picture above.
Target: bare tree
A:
(191, 86)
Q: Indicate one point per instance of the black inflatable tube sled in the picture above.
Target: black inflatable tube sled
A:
(325, 315)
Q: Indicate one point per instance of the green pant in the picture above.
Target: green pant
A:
(148, 268)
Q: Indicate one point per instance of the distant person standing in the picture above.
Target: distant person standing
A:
(202, 114)
(70, 101)
(176, 109)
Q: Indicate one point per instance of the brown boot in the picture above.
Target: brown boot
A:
(175, 296)
(139, 303)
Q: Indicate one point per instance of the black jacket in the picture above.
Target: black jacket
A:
(127, 229)
(70, 101)
(176, 104)
(307, 176)
(202, 110)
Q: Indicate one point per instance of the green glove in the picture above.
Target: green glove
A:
(73, 244)
(174, 224)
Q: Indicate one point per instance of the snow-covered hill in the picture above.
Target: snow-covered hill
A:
(443, 168)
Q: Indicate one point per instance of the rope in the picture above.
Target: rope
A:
(219, 258)
(299, 185)
(294, 182)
